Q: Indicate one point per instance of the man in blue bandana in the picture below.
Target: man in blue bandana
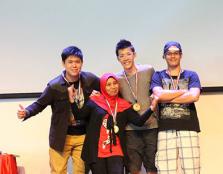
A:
(177, 89)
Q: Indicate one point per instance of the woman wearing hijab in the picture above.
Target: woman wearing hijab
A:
(104, 148)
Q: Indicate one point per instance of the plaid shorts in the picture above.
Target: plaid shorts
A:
(178, 151)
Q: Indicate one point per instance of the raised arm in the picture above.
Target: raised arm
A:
(36, 107)
(85, 111)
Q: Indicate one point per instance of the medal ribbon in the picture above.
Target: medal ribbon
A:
(78, 93)
(175, 85)
(115, 111)
(130, 87)
(77, 97)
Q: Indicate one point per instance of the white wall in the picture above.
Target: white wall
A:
(29, 139)
(210, 112)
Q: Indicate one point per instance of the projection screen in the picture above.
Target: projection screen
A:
(33, 34)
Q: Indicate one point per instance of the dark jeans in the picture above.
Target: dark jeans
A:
(141, 149)
(110, 165)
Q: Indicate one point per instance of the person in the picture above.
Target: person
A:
(104, 147)
(134, 87)
(177, 89)
(67, 131)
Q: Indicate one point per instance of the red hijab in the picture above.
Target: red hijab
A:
(101, 100)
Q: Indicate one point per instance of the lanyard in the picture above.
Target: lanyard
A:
(136, 85)
(174, 85)
(115, 111)
(78, 95)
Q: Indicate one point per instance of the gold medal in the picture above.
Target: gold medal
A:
(116, 129)
(136, 107)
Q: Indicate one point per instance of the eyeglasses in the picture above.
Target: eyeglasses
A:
(176, 53)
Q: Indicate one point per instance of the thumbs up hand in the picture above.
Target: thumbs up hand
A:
(21, 112)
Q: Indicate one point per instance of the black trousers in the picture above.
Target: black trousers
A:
(110, 165)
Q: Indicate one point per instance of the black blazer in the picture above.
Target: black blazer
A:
(56, 95)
